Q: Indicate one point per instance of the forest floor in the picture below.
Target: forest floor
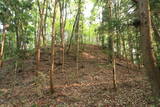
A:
(91, 86)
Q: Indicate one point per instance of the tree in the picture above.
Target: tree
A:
(147, 50)
(53, 47)
(2, 44)
(77, 33)
(75, 25)
(111, 47)
(63, 16)
(40, 30)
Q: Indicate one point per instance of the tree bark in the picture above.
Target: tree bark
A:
(147, 49)
(40, 29)
(112, 53)
(17, 36)
(44, 34)
(53, 48)
(77, 35)
(61, 5)
(2, 46)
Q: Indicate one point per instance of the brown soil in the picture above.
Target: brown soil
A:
(91, 86)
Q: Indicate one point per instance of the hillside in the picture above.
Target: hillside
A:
(91, 86)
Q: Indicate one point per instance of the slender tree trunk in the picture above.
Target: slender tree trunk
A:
(77, 50)
(116, 30)
(110, 37)
(38, 49)
(45, 25)
(77, 45)
(125, 54)
(130, 47)
(17, 36)
(77, 35)
(36, 32)
(61, 5)
(2, 46)
(118, 45)
(147, 49)
(40, 29)
(121, 46)
(73, 30)
(53, 48)
(124, 48)
(113, 65)
(81, 37)
(112, 49)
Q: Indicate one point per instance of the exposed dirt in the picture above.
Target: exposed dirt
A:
(91, 86)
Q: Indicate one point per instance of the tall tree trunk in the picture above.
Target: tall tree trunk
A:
(77, 35)
(73, 29)
(61, 5)
(53, 48)
(77, 48)
(44, 34)
(40, 29)
(112, 48)
(38, 49)
(147, 49)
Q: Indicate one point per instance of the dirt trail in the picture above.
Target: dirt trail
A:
(91, 86)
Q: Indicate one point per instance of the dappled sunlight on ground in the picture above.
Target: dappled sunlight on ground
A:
(87, 55)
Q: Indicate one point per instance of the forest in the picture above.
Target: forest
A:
(79, 53)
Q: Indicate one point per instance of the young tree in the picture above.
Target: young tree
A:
(44, 31)
(53, 47)
(111, 44)
(76, 23)
(63, 17)
(77, 32)
(40, 29)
